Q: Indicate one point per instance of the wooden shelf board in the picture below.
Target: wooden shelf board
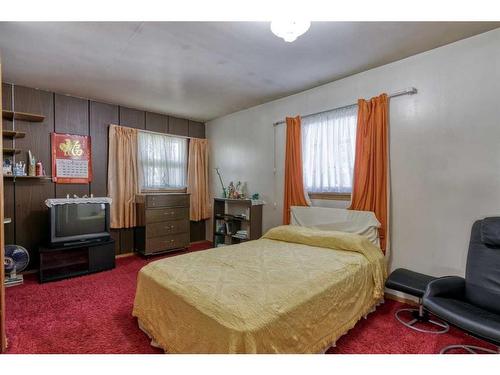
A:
(228, 217)
(240, 238)
(28, 177)
(11, 151)
(67, 263)
(22, 116)
(223, 234)
(13, 134)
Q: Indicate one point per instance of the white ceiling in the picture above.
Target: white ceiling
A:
(203, 70)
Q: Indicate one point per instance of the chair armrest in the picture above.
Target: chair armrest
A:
(450, 286)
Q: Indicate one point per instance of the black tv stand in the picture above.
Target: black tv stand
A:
(69, 260)
(94, 241)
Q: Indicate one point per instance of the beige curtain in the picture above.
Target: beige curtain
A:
(197, 184)
(123, 177)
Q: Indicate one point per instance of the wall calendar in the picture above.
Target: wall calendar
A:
(71, 159)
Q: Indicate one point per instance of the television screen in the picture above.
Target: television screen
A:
(80, 219)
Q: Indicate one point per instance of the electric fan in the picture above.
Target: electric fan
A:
(16, 260)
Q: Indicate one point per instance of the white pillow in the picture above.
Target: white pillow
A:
(364, 223)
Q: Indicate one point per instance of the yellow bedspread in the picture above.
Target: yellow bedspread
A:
(296, 290)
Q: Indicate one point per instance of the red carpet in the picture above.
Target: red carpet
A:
(92, 314)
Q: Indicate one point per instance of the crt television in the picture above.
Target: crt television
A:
(79, 222)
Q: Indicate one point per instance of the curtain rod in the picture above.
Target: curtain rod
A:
(167, 134)
(152, 132)
(408, 91)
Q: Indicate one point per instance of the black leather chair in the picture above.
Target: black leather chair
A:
(473, 303)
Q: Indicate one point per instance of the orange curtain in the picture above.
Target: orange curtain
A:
(198, 179)
(123, 181)
(294, 182)
(369, 191)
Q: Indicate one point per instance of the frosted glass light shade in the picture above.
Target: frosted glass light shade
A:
(289, 30)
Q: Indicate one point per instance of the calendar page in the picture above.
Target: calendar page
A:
(71, 159)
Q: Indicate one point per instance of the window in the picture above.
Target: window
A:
(328, 144)
(162, 161)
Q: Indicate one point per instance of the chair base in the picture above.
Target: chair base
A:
(421, 316)
(469, 348)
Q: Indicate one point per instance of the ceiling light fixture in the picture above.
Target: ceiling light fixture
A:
(289, 30)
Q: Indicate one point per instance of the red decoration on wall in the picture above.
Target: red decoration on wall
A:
(71, 159)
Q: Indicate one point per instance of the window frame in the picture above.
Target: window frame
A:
(330, 196)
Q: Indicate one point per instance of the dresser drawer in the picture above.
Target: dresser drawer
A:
(174, 241)
(167, 227)
(167, 200)
(165, 214)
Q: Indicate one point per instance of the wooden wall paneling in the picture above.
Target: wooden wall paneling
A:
(9, 211)
(115, 234)
(156, 122)
(31, 223)
(126, 240)
(178, 126)
(197, 231)
(196, 129)
(132, 118)
(7, 104)
(65, 114)
(71, 115)
(101, 116)
(6, 98)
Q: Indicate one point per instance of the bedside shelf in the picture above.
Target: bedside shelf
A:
(236, 215)
(13, 134)
(22, 116)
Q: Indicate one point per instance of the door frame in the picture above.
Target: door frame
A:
(3, 338)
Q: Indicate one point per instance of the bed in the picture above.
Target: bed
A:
(295, 290)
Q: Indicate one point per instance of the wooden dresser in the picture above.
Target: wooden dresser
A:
(162, 222)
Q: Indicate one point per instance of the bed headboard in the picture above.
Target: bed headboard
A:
(364, 223)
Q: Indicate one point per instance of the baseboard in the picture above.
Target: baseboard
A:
(133, 253)
(407, 301)
(201, 241)
(29, 271)
(124, 255)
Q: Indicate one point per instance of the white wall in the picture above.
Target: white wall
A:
(444, 144)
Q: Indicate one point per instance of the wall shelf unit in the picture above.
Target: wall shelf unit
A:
(22, 116)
